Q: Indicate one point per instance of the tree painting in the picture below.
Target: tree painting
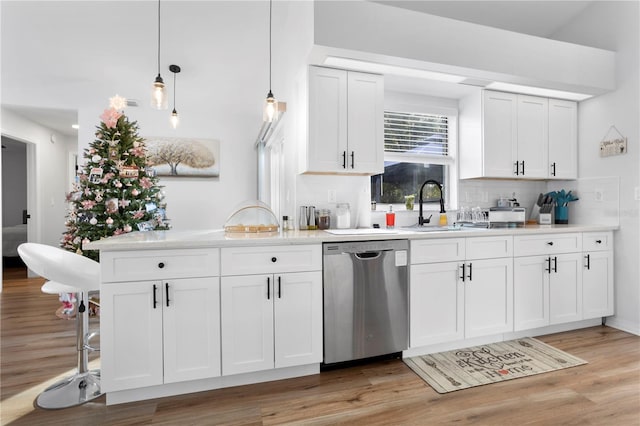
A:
(184, 156)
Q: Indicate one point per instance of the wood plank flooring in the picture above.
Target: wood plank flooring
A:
(36, 346)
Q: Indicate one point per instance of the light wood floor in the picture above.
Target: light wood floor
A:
(36, 346)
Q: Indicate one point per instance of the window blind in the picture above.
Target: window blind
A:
(416, 134)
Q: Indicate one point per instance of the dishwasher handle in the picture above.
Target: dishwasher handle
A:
(369, 255)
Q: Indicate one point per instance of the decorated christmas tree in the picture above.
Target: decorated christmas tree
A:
(117, 192)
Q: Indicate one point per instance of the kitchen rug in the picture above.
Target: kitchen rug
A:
(496, 362)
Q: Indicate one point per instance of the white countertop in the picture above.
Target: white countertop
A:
(158, 240)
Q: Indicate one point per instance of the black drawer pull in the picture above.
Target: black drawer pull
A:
(274, 259)
(166, 288)
(161, 265)
(588, 265)
(155, 296)
(550, 243)
(599, 241)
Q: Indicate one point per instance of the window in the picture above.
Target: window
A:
(418, 146)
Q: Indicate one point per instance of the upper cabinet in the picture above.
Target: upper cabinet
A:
(346, 120)
(507, 135)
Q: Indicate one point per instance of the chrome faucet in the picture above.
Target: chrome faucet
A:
(421, 219)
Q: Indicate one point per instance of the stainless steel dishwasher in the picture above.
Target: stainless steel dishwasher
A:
(365, 299)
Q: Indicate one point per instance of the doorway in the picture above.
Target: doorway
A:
(15, 203)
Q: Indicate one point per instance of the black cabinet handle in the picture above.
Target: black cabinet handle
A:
(166, 289)
(161, 265)
(599, 241)
(463, 267)
(553, 169)
(279, 287)
(517, 164)
(588, 257)
(155, 296)
(550, 243)
(268, 288)
(344, 159)
(522, 167)
(548, 269)
(470, 276)
(352, 159)
(274, 259)
(555, 264)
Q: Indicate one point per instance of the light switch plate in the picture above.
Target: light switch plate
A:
(331, 196)
(598, 194)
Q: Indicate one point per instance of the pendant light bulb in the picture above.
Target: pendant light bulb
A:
(159, 94)
(158, 91)
(270, 108)
(175, 120)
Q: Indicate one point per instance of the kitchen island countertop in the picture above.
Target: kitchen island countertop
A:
(158, 240)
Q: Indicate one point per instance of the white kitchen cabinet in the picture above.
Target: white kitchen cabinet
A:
(597, 275)
(271, 321)
(345, 122)
(507, 135)
(530, 292)
(161, 332)
(563, 139)
(565, 288)
(162, 329)
(455, 296)
(271, 298)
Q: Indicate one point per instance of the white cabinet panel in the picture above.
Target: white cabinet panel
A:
(247, 323)
(597, 241)
(131, 341)
(500, 133)
(565, 288)
(271, 259)
(563, 139)
(488, 297)
(489, 247)
(597, 284)
(436, 304)
(527, 245)
(530, 292)
(437, 250)
(533, 139)
(191, 324)
(298, 318)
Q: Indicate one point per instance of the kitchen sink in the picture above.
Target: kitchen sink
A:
(457, 227)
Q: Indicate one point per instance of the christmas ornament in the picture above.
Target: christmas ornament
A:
(118, 102)
(109, 221)
(93, 221)
(96, 158)
(127, 228)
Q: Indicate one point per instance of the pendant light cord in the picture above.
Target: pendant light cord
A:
(270, 7)
(174, 91)
(158, 37)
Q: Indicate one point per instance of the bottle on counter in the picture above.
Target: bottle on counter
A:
(391, 218)
(285, 223)
(324, 219)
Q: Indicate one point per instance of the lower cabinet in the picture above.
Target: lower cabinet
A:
(159, 332)
(271, 321)
(597, 284)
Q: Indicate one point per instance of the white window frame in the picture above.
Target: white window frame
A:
(451, 160)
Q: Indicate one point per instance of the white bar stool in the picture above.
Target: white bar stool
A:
(68, 272)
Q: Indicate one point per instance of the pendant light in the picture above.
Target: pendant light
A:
(271, 104)
(159, 92)
(175, 120)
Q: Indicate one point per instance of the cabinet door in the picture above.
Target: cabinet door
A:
(436, 304)
(365, 120)
(327, 145)
(533, 137)
(488, 297)
(191, 323)
(563, 139)
(246, 323)
(298, 318)
(597, 285)
(500, 134)
(565, 288)
(131, 341)
(530, 292)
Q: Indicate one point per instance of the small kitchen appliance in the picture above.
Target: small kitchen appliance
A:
(507, 217)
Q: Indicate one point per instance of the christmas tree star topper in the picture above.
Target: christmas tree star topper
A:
(118, 102)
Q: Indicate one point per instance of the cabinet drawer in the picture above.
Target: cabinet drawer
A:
(597, 241)
(270, 259)
(159, 264)
(437, 250)
(547, 244)
(489, 247)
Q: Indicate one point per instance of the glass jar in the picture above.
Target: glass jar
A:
(324, 219)
(343, 216)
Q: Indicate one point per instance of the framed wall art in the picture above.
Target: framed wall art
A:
(184, 157)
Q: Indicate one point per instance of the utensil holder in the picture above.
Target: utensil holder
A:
(562, 215)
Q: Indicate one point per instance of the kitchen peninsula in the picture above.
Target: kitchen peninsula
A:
(189, 311)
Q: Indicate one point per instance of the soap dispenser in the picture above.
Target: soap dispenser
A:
(391, 218)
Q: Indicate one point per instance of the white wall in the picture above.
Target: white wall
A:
(14, 183)
(51, 177)
(614, 26)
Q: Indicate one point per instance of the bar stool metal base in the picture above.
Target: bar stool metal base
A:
(71, 391)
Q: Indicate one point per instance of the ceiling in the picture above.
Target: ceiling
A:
(43, 52)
